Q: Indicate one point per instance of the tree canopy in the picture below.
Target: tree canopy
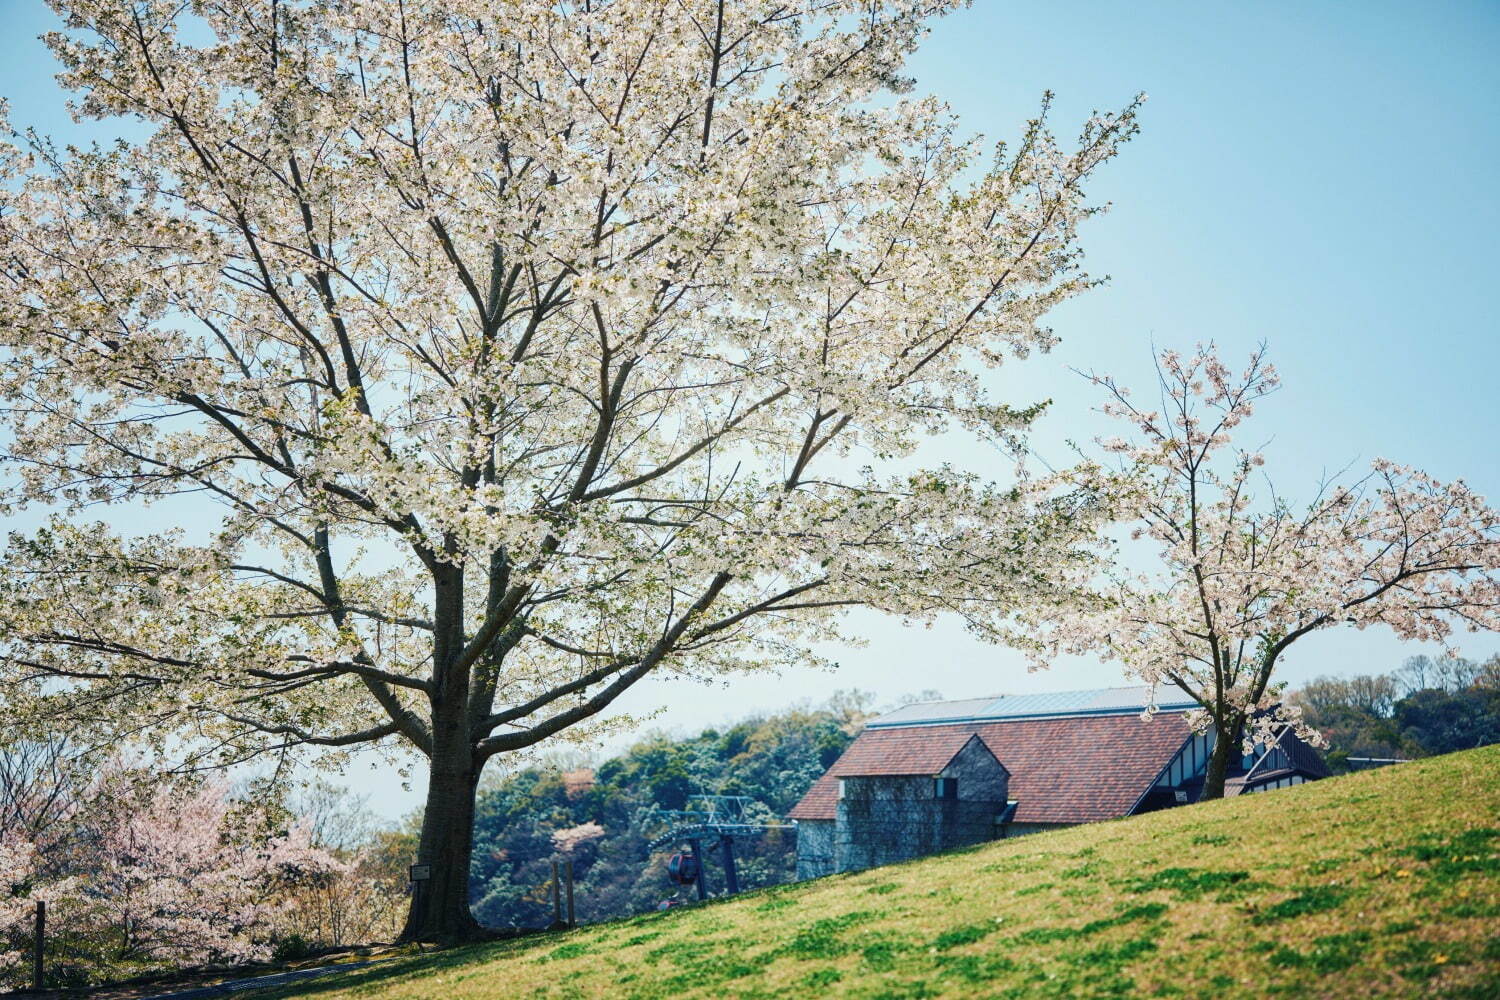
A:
(525, 350)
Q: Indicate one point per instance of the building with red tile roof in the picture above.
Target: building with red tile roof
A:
(1067, 758)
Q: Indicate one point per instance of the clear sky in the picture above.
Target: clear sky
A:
(1318, 176)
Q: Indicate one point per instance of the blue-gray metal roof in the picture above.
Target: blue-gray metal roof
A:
(1099, 701)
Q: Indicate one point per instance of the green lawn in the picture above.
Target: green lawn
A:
(1383, 884)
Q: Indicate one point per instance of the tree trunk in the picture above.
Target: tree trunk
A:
(440, 903)
(1227, 740)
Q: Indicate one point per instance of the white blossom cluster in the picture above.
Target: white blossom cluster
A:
(526, 348)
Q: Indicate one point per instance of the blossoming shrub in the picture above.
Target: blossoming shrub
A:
(144, 876)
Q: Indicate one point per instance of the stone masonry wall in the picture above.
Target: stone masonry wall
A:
(814, 848)
(889, 819)
(980, 777)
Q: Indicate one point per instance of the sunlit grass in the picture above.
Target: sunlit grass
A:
(1383, 884)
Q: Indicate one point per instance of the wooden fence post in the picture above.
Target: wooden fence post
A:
(556, 898)
(568, 868)
(39, 944)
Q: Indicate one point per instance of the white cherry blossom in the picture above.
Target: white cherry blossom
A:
(528, 349)
(1238, 573)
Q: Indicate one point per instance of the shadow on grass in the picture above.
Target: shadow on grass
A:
(397, 969)
(545, 945)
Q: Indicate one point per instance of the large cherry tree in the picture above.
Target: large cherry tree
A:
(526, 349)
(1225, 573)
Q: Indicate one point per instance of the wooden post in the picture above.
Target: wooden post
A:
(731, 876)
(39, 944)
(556, 898)
(568, 871)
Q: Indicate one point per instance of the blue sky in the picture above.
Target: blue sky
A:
(1318, 176)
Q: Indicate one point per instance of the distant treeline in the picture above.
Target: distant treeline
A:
(1428, 706)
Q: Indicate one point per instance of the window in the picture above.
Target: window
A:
(945, 788)
(841, 788)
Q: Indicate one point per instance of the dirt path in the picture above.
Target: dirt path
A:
(259, 982)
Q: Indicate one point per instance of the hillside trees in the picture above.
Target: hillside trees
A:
(603, 818)
(1237, 574)
(525, 350)
(1426, 707)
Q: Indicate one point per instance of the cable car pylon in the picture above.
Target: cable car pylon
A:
(717, 821)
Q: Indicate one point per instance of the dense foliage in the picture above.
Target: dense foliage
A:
(1426, 707)
(604, 818)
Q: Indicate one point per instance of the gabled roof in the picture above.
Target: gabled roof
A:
(1068, 769)
(820, 802)
(923, 752)
(1055, 704)
(1301, 759)
(1304, 758)
(904, 753)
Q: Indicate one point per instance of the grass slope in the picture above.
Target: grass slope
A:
(1382, 884)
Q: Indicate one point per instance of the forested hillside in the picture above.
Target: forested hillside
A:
(603, 818)
(1425, 707)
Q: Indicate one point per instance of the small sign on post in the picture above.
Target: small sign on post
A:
(421, 873)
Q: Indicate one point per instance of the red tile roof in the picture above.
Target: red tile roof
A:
(821, 800)
(1068, 770)
(926, 754)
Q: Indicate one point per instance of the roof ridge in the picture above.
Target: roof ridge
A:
(1026, 694)
(1118, 700)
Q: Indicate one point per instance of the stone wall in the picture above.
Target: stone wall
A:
(980, 777)
(814, 848)
(882, 820)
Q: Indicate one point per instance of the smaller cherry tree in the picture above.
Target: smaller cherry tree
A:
(141, 873)
(188, 875)
(28, 876)
(38, 800)
(1240, 574)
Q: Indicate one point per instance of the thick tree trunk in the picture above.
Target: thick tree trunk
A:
(440, 904)
(1226, 746)
(440, 901)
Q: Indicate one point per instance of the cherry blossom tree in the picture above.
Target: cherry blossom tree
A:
(527, 350)
(1239, 574)
(140, 872)
(24, 882)
(189, 874)
(39, 796)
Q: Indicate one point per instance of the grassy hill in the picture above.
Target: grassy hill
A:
(1381, 884)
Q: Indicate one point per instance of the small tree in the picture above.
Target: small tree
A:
(187, 874)
(527, 349)
(1237, 579)
(138, 872)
